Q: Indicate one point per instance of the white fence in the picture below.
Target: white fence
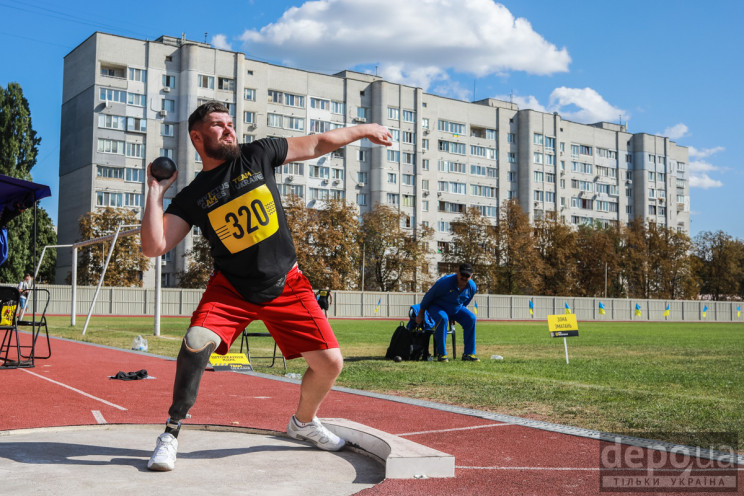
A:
(356, 304)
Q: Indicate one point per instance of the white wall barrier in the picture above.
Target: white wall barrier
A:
(379, 305)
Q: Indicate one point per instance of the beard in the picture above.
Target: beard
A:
(222, 151)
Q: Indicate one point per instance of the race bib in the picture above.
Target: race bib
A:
(246, 220)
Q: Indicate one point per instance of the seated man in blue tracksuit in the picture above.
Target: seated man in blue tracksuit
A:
(447, 300)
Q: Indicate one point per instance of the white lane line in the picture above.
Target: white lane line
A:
(453, 429)
(98, 416)
(76, 390)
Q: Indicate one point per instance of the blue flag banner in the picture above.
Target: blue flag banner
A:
(638, 310)
(705, 310)
(532, 308)
(568, 308)
(601, 308)
(378, 304)
(666, 311)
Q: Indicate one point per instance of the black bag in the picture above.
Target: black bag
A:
(408, 344)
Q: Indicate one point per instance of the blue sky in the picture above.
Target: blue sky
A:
(663, 67)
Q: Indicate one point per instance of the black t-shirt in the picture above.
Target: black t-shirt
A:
(238, 208)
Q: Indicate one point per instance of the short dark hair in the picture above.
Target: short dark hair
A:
(204, 110)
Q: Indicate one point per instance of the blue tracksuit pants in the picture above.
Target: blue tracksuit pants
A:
(464, 317)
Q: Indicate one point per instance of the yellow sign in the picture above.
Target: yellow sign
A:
(246, 220)
(230, 361)
(6, 318)
(563, 326)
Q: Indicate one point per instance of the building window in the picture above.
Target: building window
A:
(168, 105)
(338, 108)
(294, 168)
(226, 84)
(409, 116)
(537, 139)
(320, 104)
(167, 129)
(111, 146)
(393, 156)
(425, 164)
(392, 178)
(408, 179)
(511, 138)
(249, 117)
(135, 175)
(409, 201)
(206, 82)
(136, 150)
(394, 113)
(137, 74)
(109, 172)
(451, 127)
(361, 198)
(166, 152)
(136, 99)
(392, 199)
(452, 147)
(249, 94)
(169, 81)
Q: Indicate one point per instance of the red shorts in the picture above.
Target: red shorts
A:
(294, 318)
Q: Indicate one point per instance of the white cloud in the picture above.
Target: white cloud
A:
(676, 132)
(220, 42)
(706, 152)
(523, 102)
(704, 181)
(417, 45)
(584, 105)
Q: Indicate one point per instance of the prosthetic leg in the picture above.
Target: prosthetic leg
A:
(198, 344)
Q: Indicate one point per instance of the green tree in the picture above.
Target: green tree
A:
(199, 265)
(520, 265)
(337, 236)
(598, 260)
(720, 267)
(127, 261)
(472, 241)
(556, 244)
(394, 257)
(18, 150)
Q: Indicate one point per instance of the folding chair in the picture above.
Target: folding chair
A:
(9, 301)
(36, 323)
(244, 340)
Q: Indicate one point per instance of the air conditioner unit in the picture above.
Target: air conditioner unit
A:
(166, 89)
(360, 184)
(426, 193)
(163, 113)
(336, 181)
(251, 126)
(108, 104)
(426, 131)
(359, 119)
(290, 179)
(325, 181)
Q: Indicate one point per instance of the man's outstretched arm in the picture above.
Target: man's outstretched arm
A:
(316, 145)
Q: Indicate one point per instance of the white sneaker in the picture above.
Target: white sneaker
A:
(316, 433)
(164, 457)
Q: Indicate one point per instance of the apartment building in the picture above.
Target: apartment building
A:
(127, 101)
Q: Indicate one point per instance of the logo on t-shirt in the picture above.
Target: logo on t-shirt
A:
(246, 220)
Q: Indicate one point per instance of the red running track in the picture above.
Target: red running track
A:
(491, 458)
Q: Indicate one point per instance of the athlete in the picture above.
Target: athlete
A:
(235, 203)
(325, 298)
(447, 301)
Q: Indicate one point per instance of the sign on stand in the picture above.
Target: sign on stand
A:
(237, 362)
(563, 326)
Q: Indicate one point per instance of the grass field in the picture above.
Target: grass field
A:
(640, 378)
